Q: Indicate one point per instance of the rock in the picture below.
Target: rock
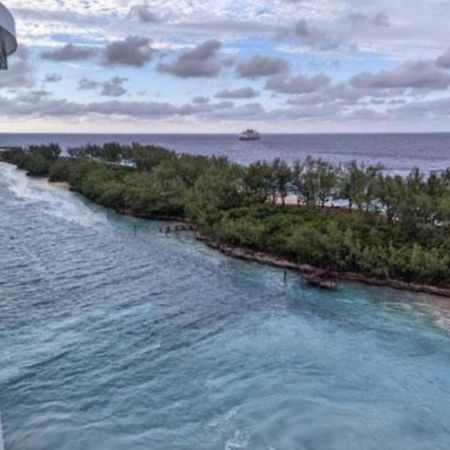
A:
(319, 282)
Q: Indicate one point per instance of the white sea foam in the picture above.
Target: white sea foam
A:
(56, 201)
(238, 441)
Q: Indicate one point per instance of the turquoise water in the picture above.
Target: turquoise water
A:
(113, 336)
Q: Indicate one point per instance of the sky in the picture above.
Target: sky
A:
(193, 66)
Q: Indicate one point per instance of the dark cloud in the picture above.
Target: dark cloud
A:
(340, 93)
(20, 73)
(33, 96)
(436, 107)
(202, 61)
(85, 84)
(69, 52)
(110, 88)
(300, 84)
(414, 75)
(262, 66)
(303, 30)
(144, 14)
(244, 92)
(250, 110)
(444, 60)
(152, 110)
(381, 19)
(114, 87)
(132, 51)
(315, 37)
(40, 104)
(52, 78)
(200, 100)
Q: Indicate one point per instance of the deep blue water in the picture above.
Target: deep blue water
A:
(398, 152)
(113, 337)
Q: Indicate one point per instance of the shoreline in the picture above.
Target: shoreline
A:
(268, 259)
(273, 260)
(60, 184)
(306, 269)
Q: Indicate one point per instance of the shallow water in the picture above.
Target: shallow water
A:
(113, 336)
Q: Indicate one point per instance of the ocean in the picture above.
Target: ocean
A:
(114, 336)
(399, 153)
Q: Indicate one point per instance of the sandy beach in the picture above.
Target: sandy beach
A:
(60, 184)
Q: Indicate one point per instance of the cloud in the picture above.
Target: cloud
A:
(110, 88)
(114, 87)
(85, 84)
(228, 26)
(144, 14)
(33, 96)
(335, 39)
(340, 93)
(424, 109)
(300, 84)
(249, 110)
(20, 73)
(315, 37)
(244, 92)
(200, 100)
(380, 19)
(69, 52)
(202, 61)
(52, 78)
(262, 66)
(413, 74)
(444, 60)
(132, 51)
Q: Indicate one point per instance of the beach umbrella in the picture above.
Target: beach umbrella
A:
(8, 42)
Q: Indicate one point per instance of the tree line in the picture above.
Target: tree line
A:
(387, 226)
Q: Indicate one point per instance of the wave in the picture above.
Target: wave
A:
(1, 433)
(238, 441)
(55, 201)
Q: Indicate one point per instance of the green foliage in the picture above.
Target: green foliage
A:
(394, 227)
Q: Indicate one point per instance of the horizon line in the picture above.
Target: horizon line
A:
(225, 134)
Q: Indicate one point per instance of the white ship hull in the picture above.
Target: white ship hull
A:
(249, 135)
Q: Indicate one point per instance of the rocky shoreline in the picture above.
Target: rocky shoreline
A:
(310, 271)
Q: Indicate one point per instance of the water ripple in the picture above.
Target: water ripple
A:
(111, 340)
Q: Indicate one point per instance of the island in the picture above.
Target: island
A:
(348, 222)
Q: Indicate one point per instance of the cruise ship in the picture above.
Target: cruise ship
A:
(249, 135)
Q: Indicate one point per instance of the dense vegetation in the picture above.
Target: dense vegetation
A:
(390, 227)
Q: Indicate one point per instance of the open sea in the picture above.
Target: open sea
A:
(116, 337)
(397, 152)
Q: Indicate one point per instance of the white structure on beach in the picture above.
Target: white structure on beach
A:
(8, 41)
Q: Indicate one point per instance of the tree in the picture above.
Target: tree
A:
(352, 185)
(257, 181)
(50, 152)
(326, 180)
(309, 182)
(297, 180)
(280, 180)
(217, 190)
